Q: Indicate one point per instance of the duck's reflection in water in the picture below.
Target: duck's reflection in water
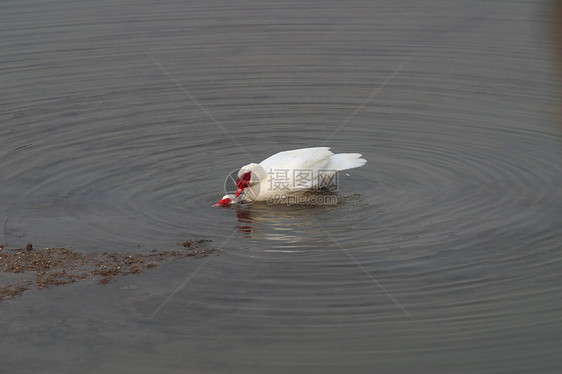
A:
(286, 222)
(244, 216)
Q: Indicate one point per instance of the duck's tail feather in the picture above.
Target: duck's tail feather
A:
(344, 161)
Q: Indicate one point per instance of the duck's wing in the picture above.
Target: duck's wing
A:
(304, 158)
(296, 170)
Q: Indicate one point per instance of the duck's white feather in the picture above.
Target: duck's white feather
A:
(344, 161)
(302, 170)
(305, 158)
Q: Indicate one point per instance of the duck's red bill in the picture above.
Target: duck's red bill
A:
(223, 202)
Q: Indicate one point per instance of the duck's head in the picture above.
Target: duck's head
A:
(249, 175)
(227, 200)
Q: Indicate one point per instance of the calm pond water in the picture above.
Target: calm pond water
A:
(119, 122)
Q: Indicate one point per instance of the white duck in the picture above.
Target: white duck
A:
(290, 172)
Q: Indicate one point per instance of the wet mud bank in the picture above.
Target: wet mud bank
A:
(37, 269)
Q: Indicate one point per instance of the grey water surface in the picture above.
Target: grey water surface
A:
(120, 120)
